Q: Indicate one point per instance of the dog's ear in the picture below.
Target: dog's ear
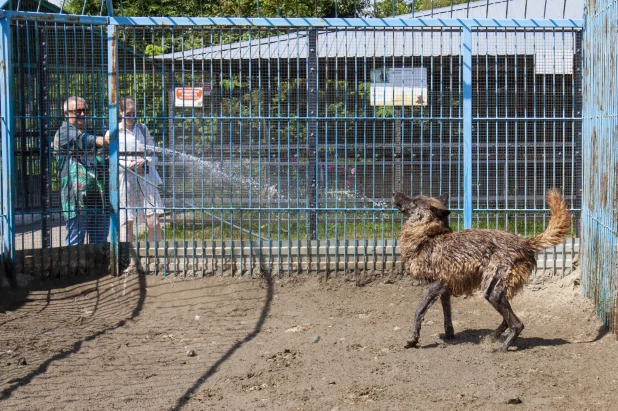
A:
(443, 198)
(401, 201)
(440, 212)
(399, 198)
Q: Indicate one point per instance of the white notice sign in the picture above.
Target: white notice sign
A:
(399, 86)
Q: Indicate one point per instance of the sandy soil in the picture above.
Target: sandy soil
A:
(307, 343)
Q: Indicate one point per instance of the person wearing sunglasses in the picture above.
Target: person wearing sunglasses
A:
(81, 171)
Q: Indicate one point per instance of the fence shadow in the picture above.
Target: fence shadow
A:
(21, 298)
(602, 331)
(12, 299)
(184, 398)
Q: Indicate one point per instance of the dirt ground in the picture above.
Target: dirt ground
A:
(144, 343)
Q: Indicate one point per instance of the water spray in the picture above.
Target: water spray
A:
(142, 150)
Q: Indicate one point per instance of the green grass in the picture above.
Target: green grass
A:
(290, 227)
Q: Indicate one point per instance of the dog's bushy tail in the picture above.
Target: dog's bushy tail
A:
(559, 223)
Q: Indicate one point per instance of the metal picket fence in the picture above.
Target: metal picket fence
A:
(279, 142)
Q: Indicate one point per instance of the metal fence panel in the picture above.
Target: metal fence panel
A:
(600, 205)
(281, 142)
(51, 62)
(526, 127)
(285, 143)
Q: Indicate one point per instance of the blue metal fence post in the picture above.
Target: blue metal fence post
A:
(312, 130)
(113, 145)
(43, 90)
(467, 124)
(8, 146)
(110, 7)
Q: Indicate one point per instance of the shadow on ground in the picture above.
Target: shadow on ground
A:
(62, 293)
(184, 399)
(478, 337)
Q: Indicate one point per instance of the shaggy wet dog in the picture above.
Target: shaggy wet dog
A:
(457, 263)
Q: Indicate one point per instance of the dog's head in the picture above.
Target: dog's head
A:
(423, 209)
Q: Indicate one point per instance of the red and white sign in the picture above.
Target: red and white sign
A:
(189, 97)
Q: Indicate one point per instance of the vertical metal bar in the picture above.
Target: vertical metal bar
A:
(184, 79)
(398, 177)
(25, 203)
(576, 157)
(8, 147)
(112, 83)
(173, 133)
(312, 130)
(467, 124)
(495, 95)
(110, 7)
(44, 138)
(526, 125)
(35, 164)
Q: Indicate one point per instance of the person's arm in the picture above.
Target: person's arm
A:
(147, 137)
(122, 160)
(140, 162)
(88, 142)
(70, 137)
(66, 138)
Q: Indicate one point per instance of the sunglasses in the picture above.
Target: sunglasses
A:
(80, 110)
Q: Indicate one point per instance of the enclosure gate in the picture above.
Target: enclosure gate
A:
(280, 141)
(600, 205)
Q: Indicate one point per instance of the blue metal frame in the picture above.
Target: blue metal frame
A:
(466, 48)
(8, 142)
(110, 7)
(112, 98)
(298, 22)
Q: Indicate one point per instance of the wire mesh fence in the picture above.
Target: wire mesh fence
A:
(284, 142)
(53, 62)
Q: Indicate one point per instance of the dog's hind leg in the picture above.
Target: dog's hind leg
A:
(445, 299)
(435, 290)
(494, 288)
(497, 298)
(516, 326)
(498, 332)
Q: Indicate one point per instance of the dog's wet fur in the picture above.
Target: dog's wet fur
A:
(457, 263)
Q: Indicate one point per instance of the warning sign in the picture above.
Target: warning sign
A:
(189, 97)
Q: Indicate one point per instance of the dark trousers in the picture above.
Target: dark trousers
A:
(93, 222)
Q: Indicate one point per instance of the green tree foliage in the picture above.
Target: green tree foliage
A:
(390, 8)
(228, 8)
(263, 8)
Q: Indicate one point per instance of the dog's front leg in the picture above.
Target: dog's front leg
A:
(445, 299)
(435, 290)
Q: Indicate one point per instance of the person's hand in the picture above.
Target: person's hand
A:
(102, 141)
(139, 166)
